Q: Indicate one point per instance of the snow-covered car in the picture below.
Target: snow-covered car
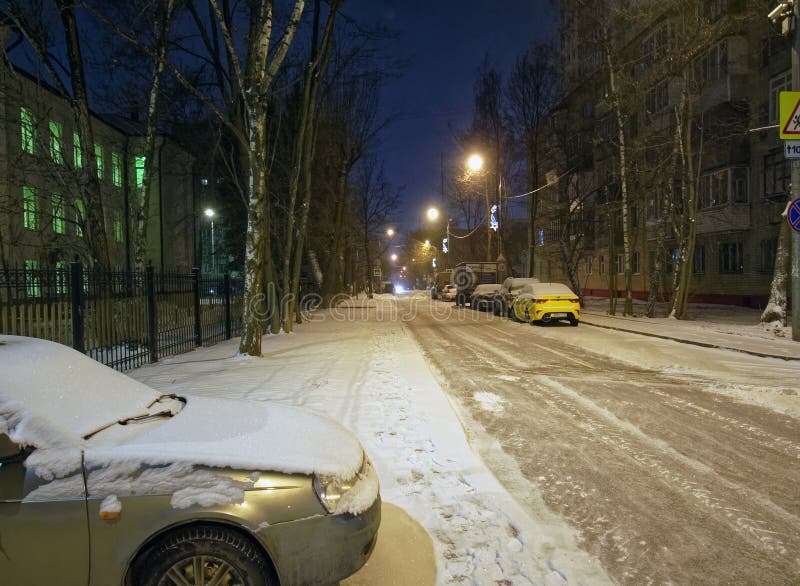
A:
(448, 293)
(483, 297)
(547, 302)
(103, 480)
(509, 290)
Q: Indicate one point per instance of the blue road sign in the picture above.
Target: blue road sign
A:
(793, 215)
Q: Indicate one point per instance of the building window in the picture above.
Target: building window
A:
(117, 226)
(61, 277)
(731, 257)
(635, 269)
(619, 264)
(657, 97)
(768, 249)
(26, 130)
(713, 65)
(77, 153)
(589, 265)
(713, 189)
(699, 258)
(30, 208)
(634, 216)
(776, 175)
(140, 163)
(98, 155)
(778, 84)
(740, 192)
(601, 265)
(33, 282)
(80, 215)
(672, 260)
(59, 218)
(116, 169)
(56, 142)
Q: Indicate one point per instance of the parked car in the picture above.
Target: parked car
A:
(508, 292)
(483, 296)
(547, 302)
(449, 293)
(103, 480)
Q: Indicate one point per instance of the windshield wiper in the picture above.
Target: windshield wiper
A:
(132, 419)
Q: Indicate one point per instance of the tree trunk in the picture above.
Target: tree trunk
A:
(776, 309)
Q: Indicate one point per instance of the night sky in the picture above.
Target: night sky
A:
(446, 41)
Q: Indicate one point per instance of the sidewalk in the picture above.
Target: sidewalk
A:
(710, 326)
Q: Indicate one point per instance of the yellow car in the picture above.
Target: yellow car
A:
(547, 302)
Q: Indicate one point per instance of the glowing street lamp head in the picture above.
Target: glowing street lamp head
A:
(433, 214)
(394, 257)
(209, 212)
(427, 242)
(390, 232)
(475, 162)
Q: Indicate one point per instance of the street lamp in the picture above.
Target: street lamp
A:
(390, 232)
(393, 257)
(475, 163)
(433, 214)
(210, 215)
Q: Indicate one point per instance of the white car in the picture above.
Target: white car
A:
(449, 293)
(104, 480)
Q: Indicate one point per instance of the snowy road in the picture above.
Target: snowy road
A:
(675, 464)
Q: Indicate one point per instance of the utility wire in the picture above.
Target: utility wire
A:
(557, 179)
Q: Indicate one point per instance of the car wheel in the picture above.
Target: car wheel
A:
(202, 555)
(573, 322)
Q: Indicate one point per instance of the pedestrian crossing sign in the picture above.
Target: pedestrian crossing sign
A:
(789, 115)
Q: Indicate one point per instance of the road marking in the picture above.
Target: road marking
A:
(556, 352)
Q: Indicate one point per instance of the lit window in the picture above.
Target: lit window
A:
(56, 143)
(140, 163)
(98, 155)
(77, 153)
(33, 282)
(204, 181)
(116, 169)
(80, 215)
(117, 227)
(26, 130)
(30, 208)
(61, 277)
(59, 220)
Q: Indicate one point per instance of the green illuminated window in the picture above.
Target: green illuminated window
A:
(116, 169)
(80, 215)
(59, 219)
(56, 142)
(61, 277)
(30, 208)
(33, 282)
(77, 153)
(98, 155)
(140, 163)
(26, 129)
(117, 227)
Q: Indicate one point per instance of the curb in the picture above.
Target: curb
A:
(692, 342)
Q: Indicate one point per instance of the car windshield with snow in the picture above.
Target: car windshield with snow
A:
(119, 484)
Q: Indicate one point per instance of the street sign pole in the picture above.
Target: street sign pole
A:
(795, 257)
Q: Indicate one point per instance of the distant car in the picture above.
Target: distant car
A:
(449, 293)
(103, 480)
(508, 292)
(547, 302)
(484, 295)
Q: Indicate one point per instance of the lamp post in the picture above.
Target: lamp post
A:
(475, 165)
(210, 215)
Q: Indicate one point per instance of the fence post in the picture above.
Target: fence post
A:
(226, 288)
(152, 325)
(198, 329)
(76, 297)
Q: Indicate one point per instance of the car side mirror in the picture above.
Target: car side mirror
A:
(9, 451)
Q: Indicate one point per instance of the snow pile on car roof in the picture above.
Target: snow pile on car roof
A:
(547, 289)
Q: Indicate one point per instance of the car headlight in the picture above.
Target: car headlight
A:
(332, 491)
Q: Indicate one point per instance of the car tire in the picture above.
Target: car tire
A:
(573, 322)
(217, 548)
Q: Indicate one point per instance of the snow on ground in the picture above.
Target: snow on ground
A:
(371, 377)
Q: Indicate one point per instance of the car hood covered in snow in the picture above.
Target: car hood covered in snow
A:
(51, 396)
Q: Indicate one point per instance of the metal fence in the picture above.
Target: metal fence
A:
(121, 318)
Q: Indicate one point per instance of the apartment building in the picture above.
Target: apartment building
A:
(42, 211)
(737, 65)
